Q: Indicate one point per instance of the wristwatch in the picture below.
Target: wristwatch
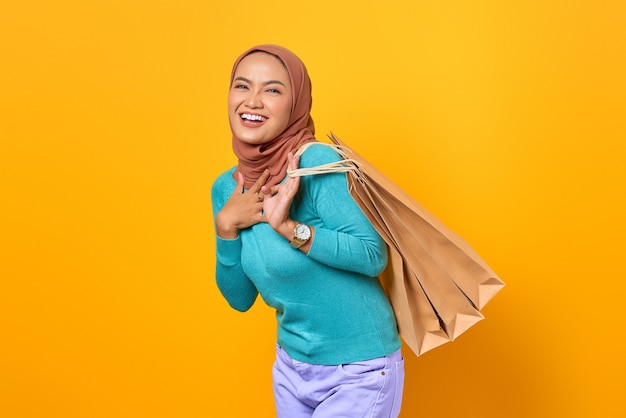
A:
(301, 234)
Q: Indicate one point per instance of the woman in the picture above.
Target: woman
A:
(305, 246)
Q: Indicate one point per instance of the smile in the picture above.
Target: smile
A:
(253, 118)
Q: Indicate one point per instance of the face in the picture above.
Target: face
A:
(259, 101)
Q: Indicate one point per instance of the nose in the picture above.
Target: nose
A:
(254, 100)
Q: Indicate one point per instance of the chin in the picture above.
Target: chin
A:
(255, 140)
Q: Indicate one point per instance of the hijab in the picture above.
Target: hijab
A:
(254, 159)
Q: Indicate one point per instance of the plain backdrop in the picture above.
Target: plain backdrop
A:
(505, 119)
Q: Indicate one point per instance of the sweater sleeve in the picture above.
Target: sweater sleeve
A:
(346, 239)
(232, 281)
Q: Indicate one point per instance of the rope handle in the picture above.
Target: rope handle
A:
(343, 166)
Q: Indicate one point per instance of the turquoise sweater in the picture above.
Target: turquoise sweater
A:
(330, 306)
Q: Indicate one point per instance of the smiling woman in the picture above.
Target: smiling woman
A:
(305, 246)
(260, 99)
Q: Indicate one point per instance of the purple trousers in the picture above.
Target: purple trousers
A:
(364, 389)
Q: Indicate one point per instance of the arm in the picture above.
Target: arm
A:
(233, 213)
(347, 240)
(344, 239)
(235, 286)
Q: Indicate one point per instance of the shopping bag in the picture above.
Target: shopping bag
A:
(436, 283)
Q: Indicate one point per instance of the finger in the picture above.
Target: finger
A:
(267, 190)
(260, 181)
(240, 183)
(271, 191)
(292, 183)
(294, 161)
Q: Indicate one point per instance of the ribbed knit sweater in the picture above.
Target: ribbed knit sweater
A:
(330, 306)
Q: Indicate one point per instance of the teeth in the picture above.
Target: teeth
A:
(253, 117)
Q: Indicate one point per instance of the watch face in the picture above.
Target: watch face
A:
(303, 232)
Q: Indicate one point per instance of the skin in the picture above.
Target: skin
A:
(260, 86)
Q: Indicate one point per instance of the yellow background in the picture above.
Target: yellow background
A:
(505, 119)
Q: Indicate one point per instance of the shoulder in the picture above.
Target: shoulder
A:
(225, 177)
(318, 154)
(223, 184)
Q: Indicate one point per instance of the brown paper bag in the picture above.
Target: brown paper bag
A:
(435, 281)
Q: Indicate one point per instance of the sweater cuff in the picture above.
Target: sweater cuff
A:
(228, 250)
(323, 245)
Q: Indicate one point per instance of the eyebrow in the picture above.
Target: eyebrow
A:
(265, 83)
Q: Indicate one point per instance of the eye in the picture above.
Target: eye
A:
(273, 91)
(240, 87)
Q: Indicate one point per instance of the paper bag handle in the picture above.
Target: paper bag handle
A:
(343, 166)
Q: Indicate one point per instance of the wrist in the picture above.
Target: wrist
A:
(288, 227)
(227, 233)
(301, 235)
(224, 230)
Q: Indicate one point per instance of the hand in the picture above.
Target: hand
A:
(277, 201)
(242, 210)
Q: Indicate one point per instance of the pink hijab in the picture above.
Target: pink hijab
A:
(254, 159)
